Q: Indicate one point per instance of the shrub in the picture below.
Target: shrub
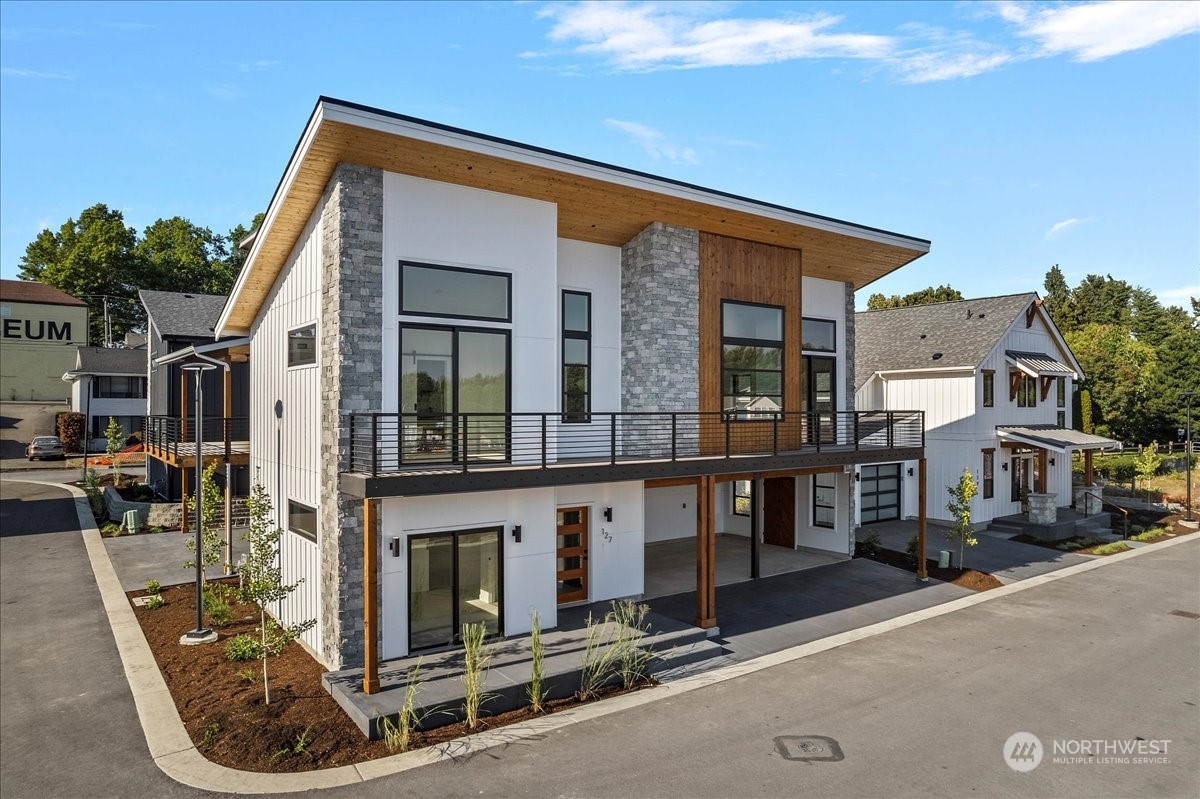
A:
(243, 647)
(218, 607)
(913, 550)
(152, 586)
(95, 496)
(71, 428)
(111, 528)
(1111, 549)
(249, 675)
(869, 546)
(155, 601)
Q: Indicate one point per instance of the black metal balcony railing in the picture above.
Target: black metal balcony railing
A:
(392, 443)
(170, 435)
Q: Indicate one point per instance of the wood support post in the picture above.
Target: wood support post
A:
(370, 596)
(755, 553)
(922, 572)
(706, 554)
(1089, 478)
(1043, 465)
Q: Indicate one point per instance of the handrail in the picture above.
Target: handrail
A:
(1087, 505)
(170, 435)
(388, 443)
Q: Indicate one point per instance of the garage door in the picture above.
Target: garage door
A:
(880, 500)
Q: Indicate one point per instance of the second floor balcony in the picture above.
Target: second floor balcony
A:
(172, 440)
(410, 454)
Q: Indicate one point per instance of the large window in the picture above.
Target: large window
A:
(454, 393)
(576, 356)
(119, 387)
(751, 360)
(989, 389)
(454, 578)
(302, 520)
(989, 481)
(302, 346)
(820, 335)
(824, 491)
(129, 425)
(741, 498)
(1062, 392)
(1027, 392)
(455, 292)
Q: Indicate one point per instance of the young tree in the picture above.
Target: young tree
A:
(212, 544)
(926, 296)
(960, 508)
(115, 438)
(262, 578)
(1146, 464)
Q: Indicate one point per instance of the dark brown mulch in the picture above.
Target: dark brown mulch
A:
(302, 729)
(966, 578)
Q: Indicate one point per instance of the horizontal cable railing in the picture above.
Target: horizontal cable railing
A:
(383, 443)
(177, 437)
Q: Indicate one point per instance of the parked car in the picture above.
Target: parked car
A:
(44, 447)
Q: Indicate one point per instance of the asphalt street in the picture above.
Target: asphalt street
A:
(919, 711)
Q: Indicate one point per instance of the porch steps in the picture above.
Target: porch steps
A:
(1070, 524)
(440, 696)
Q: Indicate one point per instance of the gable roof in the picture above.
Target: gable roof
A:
(595, 202)
(110, 361)
(903, 339)
(183, 315)
(32, 291)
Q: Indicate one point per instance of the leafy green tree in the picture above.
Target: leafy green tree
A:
(927, 296)
(212, 544)
(115, 438)
(262, 578)
(959, 506)
(89, 258)
(1057, 301)
(236, 257)
(180, 256)
(1119, 372)
(1147, 462)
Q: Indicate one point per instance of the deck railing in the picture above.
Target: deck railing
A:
(390, 443)
(170, 435)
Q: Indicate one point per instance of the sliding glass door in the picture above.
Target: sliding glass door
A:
(454, 578)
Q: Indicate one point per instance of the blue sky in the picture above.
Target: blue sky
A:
(1014, 136)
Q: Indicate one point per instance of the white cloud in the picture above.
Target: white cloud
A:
(1059, 227)
(1181, 296)
(251, 66)
(13, 72)
(650, 36)
(934, 66)
(654, 142)
(1095, 31)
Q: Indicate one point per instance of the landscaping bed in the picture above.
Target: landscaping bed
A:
(965, 578)
(1145, 525)
(302, 729)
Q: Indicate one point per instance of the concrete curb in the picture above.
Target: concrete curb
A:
(173, 751)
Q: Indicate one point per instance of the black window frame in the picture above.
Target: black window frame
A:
(1027, 391)
(987, 475)
(804, 320)
(833, 508)
(1061, 392)
(585, 417)
(293, 334)
(507, 318)
(99, 424)
(136, 390)
(454, 535)
(1061, 419)
(734, 496)
(737, 341)
(989, 388)
(308, 535)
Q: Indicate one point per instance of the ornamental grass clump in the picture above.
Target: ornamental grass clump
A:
(537, 690)
(476, 659)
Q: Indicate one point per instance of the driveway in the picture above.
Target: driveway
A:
(1007, 561)
(19, 423)
(68, 726)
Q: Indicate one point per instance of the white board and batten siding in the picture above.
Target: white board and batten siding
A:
(826, 299)
(285, 453)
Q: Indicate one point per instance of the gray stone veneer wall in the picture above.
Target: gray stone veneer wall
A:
(351, 361)
(660, 320)
(850, 403)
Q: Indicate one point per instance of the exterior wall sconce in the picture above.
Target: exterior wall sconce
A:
(1004, 467)
(910, 471)
(856, 477)
(516, 533)
(394, 546)
(1052, 461)
(608, 514)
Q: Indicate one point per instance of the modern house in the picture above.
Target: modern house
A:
(179, 328)
(487, 377)
(40, 329)
(995, 379)
(109, 382)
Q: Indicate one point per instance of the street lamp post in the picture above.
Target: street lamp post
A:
(1188, 444)
(200, 635)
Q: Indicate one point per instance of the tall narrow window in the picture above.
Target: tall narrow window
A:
(576, 356)
(989, 482)
(1062, 392)
(741, 497)
(989, 389)
(824, 488)
(1027, 392)
(751, 360)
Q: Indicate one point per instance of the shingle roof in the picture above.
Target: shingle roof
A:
(183, 315)
(964, 332)
(111, 361)
(32, 291)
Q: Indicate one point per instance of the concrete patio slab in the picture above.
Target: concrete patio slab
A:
(160, 556)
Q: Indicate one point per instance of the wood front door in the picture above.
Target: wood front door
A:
(572, 555)
(779, 511)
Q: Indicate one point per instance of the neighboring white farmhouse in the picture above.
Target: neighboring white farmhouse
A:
(109, 382)
(485, 376)
(994, 378)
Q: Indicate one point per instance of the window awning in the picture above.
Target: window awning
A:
(1059, 439)
(1039, 364)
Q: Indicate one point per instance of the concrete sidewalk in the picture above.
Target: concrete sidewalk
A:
(1007, 561)
(160, 556)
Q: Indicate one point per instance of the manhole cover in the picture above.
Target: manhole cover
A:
(809, 748)
(1187, 614)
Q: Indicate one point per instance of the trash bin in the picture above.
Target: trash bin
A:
(131, 521)
(944, 559)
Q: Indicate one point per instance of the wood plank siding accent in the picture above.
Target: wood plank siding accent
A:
(592, 209)
(747, 271)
